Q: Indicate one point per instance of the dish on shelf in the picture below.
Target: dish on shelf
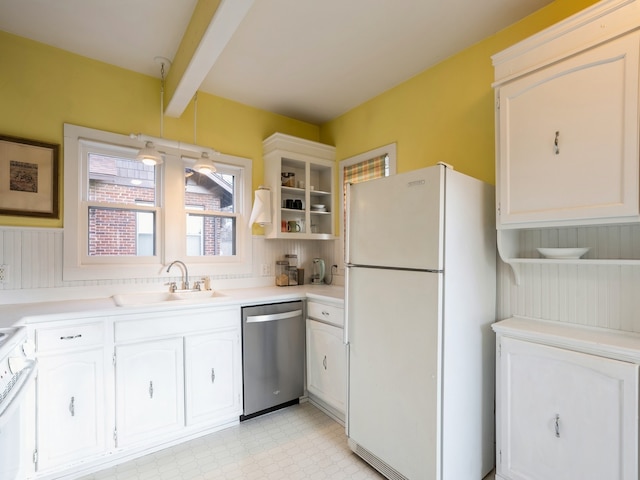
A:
(317, 206)
(566, 253)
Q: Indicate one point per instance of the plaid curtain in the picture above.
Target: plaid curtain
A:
(361, 172)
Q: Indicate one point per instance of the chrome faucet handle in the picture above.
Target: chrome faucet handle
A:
(196, 286)
(172, 287)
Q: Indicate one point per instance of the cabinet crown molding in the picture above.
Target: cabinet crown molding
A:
(599, 23)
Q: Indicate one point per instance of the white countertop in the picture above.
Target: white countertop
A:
(26, 313)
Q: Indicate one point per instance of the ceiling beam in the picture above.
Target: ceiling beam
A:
(212, 25)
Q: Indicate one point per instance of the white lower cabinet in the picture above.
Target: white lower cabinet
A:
(123, 386)
(326, 358)
(149, 390)
(71, 413)
(564, 410)
(212, 366)
(70, 394)
(326, 364)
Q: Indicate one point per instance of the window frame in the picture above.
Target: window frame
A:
(170, 236)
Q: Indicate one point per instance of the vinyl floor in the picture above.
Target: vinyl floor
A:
(295, 443)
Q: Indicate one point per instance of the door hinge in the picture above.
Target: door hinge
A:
(498, 102)
(499, 209)
(115, 436)
(35, 456)
(500, 349)
(500, 457)
(114, 359)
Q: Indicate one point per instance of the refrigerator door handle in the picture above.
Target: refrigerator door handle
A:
(345, 330)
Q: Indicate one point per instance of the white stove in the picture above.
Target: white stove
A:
(12, 360)
(17, 372)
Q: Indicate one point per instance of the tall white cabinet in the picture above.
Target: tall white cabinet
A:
(566, 403)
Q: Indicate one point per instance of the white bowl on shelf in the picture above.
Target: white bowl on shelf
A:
(317, 206)
(563, 253)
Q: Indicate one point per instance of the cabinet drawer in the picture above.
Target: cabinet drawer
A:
(145, 326)
(326, 313)
(69, 336)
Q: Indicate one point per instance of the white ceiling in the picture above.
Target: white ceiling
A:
(308, 59)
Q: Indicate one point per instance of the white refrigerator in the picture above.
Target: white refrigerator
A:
(420, 299)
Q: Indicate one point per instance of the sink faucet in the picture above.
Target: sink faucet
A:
(185, 273)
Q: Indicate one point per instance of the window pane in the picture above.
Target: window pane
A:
(213, 192)
(120, 180)
(216, 238)
(117, 232)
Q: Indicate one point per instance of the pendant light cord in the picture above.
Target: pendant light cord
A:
(195, 116)
(162, 100)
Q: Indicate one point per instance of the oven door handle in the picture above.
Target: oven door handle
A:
(13, 400)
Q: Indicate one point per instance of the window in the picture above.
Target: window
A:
(377, 163)
(124, 219)
(121, 200)
(210, 211)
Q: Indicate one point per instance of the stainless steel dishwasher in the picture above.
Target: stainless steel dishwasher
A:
(273, 339)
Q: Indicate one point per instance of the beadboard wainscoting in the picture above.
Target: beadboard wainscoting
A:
(31, 259)
(600, 294)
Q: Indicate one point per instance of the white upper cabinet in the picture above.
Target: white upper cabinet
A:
(301, 176)
(567, 123)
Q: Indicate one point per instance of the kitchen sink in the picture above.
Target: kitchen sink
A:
(149, 298)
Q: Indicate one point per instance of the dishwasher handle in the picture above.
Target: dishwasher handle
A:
(273, 316)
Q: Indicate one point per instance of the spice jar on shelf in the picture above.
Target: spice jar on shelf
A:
(288, 179)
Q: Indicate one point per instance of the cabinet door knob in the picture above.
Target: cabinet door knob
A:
(556, 144)
(72, 406)
(557, 425)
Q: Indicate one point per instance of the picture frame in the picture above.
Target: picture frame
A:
(29, 177)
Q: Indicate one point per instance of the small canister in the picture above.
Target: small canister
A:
(288, 179)
(282, 273)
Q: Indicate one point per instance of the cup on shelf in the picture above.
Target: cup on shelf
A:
(297, 204)
(293, 226)
(289, 203)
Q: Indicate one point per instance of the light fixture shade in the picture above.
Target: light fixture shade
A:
(149, 155)
(205, 164)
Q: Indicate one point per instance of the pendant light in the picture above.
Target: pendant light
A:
(149, 155)
(204, 164)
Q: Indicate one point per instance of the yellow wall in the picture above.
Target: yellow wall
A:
(444, 113)
(42, 87)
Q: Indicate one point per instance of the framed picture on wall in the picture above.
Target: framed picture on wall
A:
(28, 177)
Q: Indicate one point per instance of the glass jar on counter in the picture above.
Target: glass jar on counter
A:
(282, 273)
(292, 258)
(293, 275)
